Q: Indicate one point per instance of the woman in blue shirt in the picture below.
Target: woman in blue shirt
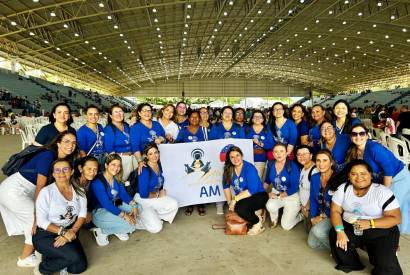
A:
(342, 117)
(205, 122)
(284, 130)
(338, 144)
(227, 128)
(298, 115)
(60, 121)
(318, 115)
(145, 131)
(117, 139)
(152, 196)
(262, 140)
(387, 169)
(115, 212)
(283, 175)
(21, 189)
(320, 198)
(243, 190)
(181, 119)
(90, 135)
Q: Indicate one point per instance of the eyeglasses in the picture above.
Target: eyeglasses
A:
(356, 134)
(67, 142)
(329, 128)
(59, 170)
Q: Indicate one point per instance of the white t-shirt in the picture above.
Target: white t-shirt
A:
(171, 128)
(368, 207)
(304, 184)
(53, 208)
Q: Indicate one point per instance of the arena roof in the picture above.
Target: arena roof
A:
(126, 45)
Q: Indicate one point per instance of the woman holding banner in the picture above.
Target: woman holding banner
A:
(243, 190)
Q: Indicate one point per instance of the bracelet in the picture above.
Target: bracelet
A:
(62, 231)
(236, 199)
(59, 231)
(339, 228)
(372, 224)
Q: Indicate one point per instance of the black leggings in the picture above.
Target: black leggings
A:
(70, 256)
(246, 207)
(381, 246)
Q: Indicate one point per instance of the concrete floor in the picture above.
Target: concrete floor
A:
(190, 246)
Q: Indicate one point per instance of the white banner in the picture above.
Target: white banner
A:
(193, 171)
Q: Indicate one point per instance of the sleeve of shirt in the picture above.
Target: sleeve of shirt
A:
(304, 129)
(43, 208)
(339, 195)
(386, 196)
(82, 140)
(143, 183)
(253, 180)
(161, 131)
(383, 159)
(44, 163)
(135, 138)
(125, 197)
(109, 139)
(268, 142)
(41, 137)
(294, 179)
(293, 133)
(83, 207)
(268, 176)
(100, 193)
(315, 182)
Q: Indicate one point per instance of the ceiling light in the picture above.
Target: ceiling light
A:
(357, 47)
(58, 49)
(156, 20)
(404, 30)
(159, 36)
(387, 36)
(67, 54)
(330, 29)
(115, 27)
(158, 29)
(101, 5)
(268, 1)
(344, 23)
(393, 17)
(76, 35)
(359, 32)
(360, 13)
(306, 28)
(52, 14)
(35, 1)
(225, 13)
(230, 3)
(109, 17)
(317, 21)
(121, 35)
(13, 23)
(99, 53)
(379, 4)
(392, 46)
(346, 2)
(65, 26)
(377, 50)
(189, 6)
(408, 40)
(319, 36)
(330, 12)
(94, 48)
(371, 42)
(32, 33)
(45, 41)
(86, 42)
(188, 16)
(374, 25)
(125, 41)
(154, 10)
(259, 11)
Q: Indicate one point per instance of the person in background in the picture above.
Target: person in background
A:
(387, 169)
(61, 209)
(320, 198)
(298, 115)
(283, 175)
(284, 130)
(243, 190)
(60, 121)
(90, 136)
(117, 139)
(156, 204)
(181, 118)
(166, 118)
(304, 157)
(23, 187)
(365, 214)
(336, 143)
(205, 122)
(318, 115)
(403, 121)
(262, 140)
(240, 116)
(133, 117)
(342, 117)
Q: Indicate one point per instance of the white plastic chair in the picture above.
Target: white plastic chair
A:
(383, 138)
(406, 141)
(399, 149)
(24, 140)
(376, 133)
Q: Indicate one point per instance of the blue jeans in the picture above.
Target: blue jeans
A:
(110, 223)
(319, 235)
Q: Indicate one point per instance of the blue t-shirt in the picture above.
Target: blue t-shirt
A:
(185, 135)
(141, 135)
(105, 196)
(346, 130)
(314, 137)
(287, 134)
(319, 199)
(302, 130)
(382, 161)
(247, 180)
(149, 181)
(265, 136)
(218, 131)
(339, 150)
(116, 140)
(86, 139)
(39, 164)
(49, 132)
(287, 180)
(183, 124)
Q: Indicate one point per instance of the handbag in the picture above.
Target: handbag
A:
(235, 225)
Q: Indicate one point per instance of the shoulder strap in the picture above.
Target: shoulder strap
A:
(204, 132)
(95, 143)
(388, 202)
(345, 188)
(310, 172)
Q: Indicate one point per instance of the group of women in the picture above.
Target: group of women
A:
(79, 178)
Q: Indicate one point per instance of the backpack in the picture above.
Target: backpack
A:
(17, 160)
(132, 187)
(311, 172)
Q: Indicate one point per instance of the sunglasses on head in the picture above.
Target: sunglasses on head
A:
(355, 134)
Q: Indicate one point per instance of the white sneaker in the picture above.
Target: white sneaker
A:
(29, 261)
(256, 229)
(39, 257)
(64, 271)
(219, 209)
(122, 237)
(100, 238)
(36, 271)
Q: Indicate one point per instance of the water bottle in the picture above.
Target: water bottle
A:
(356, 230)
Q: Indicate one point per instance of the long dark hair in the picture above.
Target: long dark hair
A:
(230, 108)
(304, 111)
(109, 119)
(139, 109)
(248, 127)
(148, 147)
(312, 122)
(335, 180)
(77, 188)
(51, 117)
(229, 167)
(272, 118)
(348, 121)
(80, 163)
(53, 146)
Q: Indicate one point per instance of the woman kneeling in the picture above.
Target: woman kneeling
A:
(365, 214)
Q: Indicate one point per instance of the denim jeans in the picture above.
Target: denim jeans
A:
(319, 235)
(113, 224)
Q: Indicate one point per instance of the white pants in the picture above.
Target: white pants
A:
(129, 164)
(260, 166)
(155, 210)
(291, 209)
(17, 206)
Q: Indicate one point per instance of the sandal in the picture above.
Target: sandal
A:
(189, 210)
(201, 210)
